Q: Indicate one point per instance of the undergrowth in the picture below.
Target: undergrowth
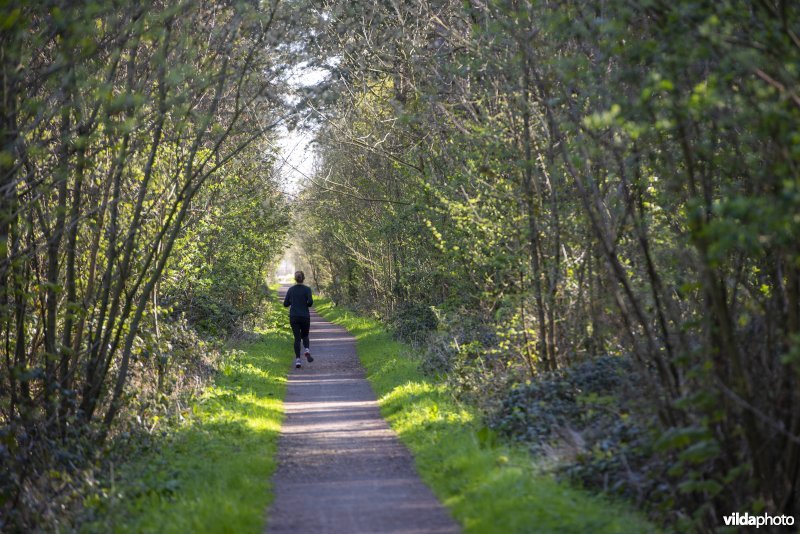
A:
(489, 485)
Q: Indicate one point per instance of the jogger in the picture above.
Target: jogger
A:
(298, 300)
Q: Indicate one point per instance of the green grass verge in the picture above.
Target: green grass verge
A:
(213, 472)
(488, 485)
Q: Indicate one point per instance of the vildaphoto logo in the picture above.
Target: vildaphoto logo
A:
(764, 520)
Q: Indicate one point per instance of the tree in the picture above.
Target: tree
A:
(602, 176)
(116, 124)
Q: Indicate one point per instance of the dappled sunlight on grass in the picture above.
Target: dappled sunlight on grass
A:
(212, 474)
(417, 404)
(488, 485)
(360, 327)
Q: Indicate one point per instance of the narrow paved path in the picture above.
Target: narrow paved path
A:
(340, 467)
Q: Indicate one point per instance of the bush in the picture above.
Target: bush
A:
(460, 338)
(412, 322)
(584, 424)
(49, 484)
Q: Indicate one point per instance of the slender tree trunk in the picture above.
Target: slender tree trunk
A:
(533, 226)
(53, 270)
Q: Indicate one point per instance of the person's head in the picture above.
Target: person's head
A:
(299, 276)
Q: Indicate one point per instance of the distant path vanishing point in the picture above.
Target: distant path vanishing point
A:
(341, 469)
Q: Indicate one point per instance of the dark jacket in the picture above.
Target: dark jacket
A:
(298, 300)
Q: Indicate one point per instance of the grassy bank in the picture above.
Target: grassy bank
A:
(212, 473)
(489, 486)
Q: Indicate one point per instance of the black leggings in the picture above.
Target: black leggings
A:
(300, 327)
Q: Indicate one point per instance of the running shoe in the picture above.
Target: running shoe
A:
(297, 363)
(308, 356)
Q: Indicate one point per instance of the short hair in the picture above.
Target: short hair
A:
(299, 276)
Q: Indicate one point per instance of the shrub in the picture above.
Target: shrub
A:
(412, 321)
(46, 484)
(583, 423)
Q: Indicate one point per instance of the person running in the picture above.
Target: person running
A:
(298, 300)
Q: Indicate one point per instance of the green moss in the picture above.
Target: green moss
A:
(213, 474)
(488, 485)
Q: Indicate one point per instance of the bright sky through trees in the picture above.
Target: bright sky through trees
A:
(297, 154)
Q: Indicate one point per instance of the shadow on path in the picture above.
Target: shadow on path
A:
(340, 467)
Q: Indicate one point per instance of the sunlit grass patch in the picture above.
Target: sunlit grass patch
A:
(489, 485)
(212, 473)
